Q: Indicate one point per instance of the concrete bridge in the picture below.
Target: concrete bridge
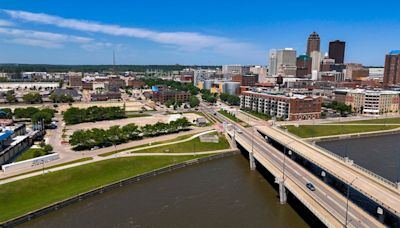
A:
(343, 196)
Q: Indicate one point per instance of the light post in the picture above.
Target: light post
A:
(284, 159)
(347, 201)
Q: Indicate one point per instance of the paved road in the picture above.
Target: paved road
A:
(324, 195)
(68, 155)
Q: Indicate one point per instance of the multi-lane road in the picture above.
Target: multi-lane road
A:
(327, 203)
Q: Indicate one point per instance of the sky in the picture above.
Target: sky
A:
(191, 32)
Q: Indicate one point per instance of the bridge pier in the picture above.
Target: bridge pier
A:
(252, 161)
(282, 191)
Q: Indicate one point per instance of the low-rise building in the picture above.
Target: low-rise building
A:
(370, 101)
(282, 105)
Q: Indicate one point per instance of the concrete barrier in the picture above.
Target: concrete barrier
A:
(31, 162)
(31, 215)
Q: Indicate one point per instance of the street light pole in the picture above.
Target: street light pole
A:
(347, 201)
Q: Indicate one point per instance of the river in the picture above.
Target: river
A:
(379, 154)
(219, 193)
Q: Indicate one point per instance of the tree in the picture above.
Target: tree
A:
(194, 101)
(5, 113)
(25, 112)
(10, 98)
(170, 102)
(42, 115)
(47, 148)
(32, 98)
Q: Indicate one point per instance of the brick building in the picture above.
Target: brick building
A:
(285, 106)
(163, 94)
(245, 80)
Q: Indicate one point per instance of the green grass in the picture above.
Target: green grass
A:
(307, 131)
(135, 115)
(374, 121)
(229, 116)
(258, 114)
(31, 153)
(189, 146)
(179, 138)
(23, 196)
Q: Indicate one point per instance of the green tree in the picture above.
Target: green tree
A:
(25, 112)
(5, 113)
(47, 148)
(10, 98)
(32, 98)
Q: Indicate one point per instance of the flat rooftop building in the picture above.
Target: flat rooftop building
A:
(282, 105)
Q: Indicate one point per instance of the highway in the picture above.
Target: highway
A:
(324, 197)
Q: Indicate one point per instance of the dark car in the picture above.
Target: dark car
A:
(310, 186)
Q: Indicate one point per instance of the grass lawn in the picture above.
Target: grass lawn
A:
(229, 116)
(189, 146)
(374, 121)
(307, 131)
(257, 114)
(31, 153)
(179, 138)
(20, 197)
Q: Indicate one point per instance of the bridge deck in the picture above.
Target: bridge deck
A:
(326, 204)
(374, 188)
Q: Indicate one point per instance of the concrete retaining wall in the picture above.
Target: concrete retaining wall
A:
(64, 203)
(30, 162)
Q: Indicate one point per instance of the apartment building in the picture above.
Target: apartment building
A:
(282, 105)
(370, 101)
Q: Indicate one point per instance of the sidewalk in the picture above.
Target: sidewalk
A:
(126, 153)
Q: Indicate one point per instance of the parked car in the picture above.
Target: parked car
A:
(310, 186)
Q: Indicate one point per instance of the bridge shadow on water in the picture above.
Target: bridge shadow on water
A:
(293, 202)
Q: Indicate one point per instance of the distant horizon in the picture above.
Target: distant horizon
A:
(177, 64)
(166, 33)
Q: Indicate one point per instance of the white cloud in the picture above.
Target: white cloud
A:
(6, 23)
(49, 40)
(36, 43)
(183, 40)
(54, 37)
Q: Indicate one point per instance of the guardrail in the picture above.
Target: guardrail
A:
(397, 213)
(366, 171)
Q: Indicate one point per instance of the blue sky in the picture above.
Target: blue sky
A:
(190, 32)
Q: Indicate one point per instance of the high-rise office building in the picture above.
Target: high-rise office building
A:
(337, 51)
(391, 75)
(272, 63)
(313, 43)
(281, 61)
(303, 64)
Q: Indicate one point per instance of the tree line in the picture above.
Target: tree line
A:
(91, 114)
(36, 115)
(206, 95)
(18, 68)
(88, 139)
(230, 99)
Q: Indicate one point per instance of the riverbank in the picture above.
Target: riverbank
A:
(26, 196)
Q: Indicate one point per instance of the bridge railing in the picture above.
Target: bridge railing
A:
(358, 189)
(375, 175)
(366, 171)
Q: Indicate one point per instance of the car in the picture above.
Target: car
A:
(310, 186)
(239, 131)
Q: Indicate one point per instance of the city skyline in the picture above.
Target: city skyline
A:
(46, 33)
